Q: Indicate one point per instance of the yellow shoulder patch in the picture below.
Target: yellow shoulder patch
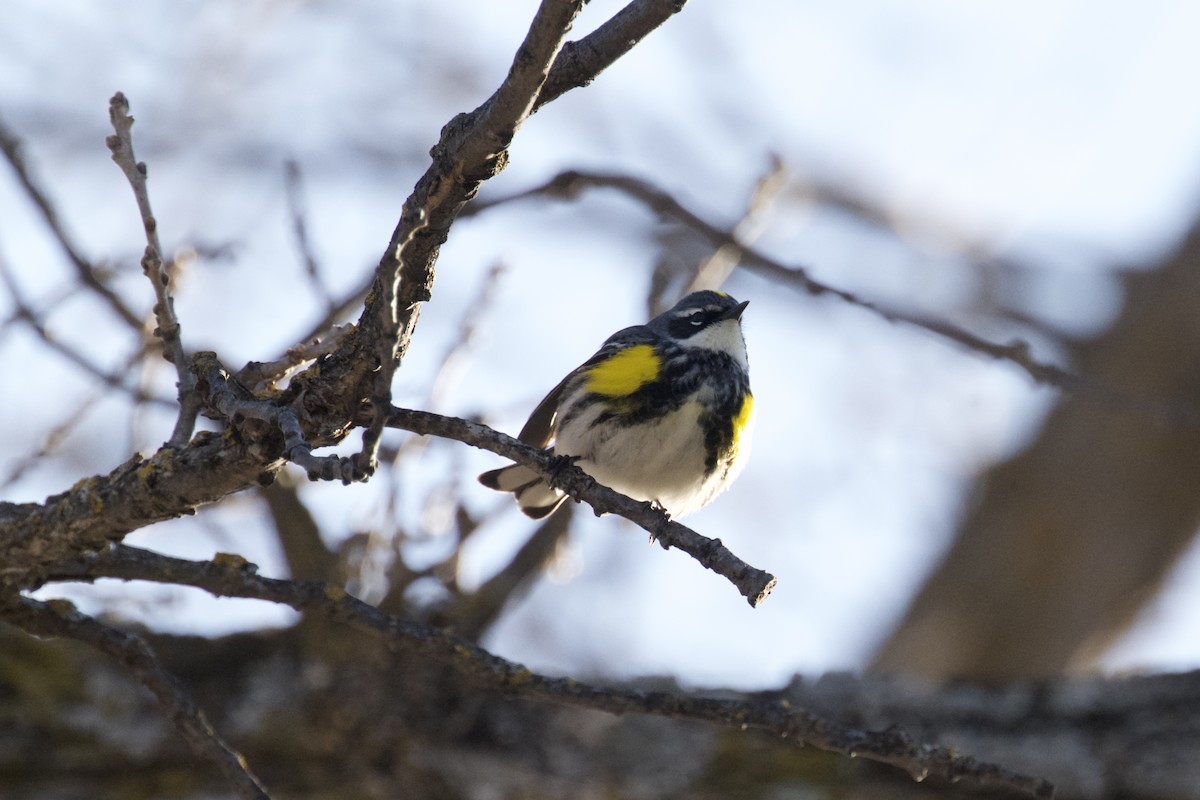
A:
(742, 418)
(624, 372)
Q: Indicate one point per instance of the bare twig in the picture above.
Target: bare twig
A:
(60, 619)
(121, 145)
(294, 185)
(452, 362)
(448, 374)
(60, 431)
(54, 438)
(386, 355)
(87, 272)
(260, 376)
(700, 269)
(474, 613)
(25, 312)
(772, 715)
(569, 184)
(716, 268)
(754, 584)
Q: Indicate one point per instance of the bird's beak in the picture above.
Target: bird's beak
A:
(736, 311)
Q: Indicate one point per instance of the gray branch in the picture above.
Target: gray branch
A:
(60, 619)
(754, 584)
(121, 145)
(226, 577)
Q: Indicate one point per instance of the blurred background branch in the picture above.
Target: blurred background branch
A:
(931, 514)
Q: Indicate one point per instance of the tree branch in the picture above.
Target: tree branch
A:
(237, 404)
(260, 376)
(322, 403)
(121, 145)
(772, 715)
(11, 147)
(457, 178)
(754, 584)
(102, 509)
(568, 185)
(472, 614)
(60, 619)
(579, 62)
(477, 144)
(26, 313)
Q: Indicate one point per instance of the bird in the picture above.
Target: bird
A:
(662, 413)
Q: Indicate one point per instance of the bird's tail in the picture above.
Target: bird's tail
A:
(535, 496)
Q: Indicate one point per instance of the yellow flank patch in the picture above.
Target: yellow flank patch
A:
(624, 372)
(742, 418)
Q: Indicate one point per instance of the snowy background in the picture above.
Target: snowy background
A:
(1057, 135)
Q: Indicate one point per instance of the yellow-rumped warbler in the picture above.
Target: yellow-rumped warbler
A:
(662, 412)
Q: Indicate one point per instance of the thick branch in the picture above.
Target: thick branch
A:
(473, 148)
(226, 579)
(103, 509)
(236, 404)
(579, 62)
(754, 584)
(320, 405)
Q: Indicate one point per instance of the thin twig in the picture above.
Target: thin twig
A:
(55, 437)
(568, 185)
(60, 619)
(88, 404)
(259, 376)
(754, 584)
(87, 272)
(456, 355)
(772, 715)
(294, 189)
(121, 145)
(25, 312)
(716, 268)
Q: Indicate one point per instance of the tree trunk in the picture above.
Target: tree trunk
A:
(1069, 538)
